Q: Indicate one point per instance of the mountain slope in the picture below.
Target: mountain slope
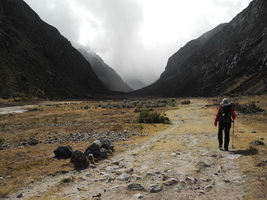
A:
(106, 74)
(230, 59)
(136, 84)
(37, 61)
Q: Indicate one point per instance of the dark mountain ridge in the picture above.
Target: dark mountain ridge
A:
(109, 77)
(230, 59)
(37, 61)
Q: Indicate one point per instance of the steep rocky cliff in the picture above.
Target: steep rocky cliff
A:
(37, 61)
(230, 59)
(105, 73)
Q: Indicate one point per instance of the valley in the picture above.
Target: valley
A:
(180, 160)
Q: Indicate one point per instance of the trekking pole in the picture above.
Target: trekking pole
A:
(233, 135)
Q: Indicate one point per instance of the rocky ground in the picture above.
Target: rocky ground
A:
(180, 161)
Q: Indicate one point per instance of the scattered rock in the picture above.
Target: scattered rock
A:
(181, 185)
(139, 196)
(190, 180)
(154, 188)
(262, 163)
(258, 142)
(174, 154)
(129, 171)
(124, 177)
(253, 132)
(63, 152)
(202, 165)
(136, 187)
(164, 177)
(67, 179)
(33, 142)
(20, 195)
(171, 181)
(79, 160)
(208, 187)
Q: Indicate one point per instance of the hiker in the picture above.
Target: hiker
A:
(225, 116)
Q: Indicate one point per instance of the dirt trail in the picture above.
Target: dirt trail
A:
(181, 162)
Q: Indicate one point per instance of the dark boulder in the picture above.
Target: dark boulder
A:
(63, 152)
(258, 142)
(100, 148)
(98, 153)
(94, 145)
(136, 187)
(107, 144)
(80, 160)
(33, 142)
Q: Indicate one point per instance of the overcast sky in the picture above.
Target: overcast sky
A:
(136, 37)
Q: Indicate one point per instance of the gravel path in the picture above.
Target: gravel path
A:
(181, 162)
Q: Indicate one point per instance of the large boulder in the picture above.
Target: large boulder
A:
(63, 152)
(94, 145)
(107, 144)
(100, 148)
(80, 160)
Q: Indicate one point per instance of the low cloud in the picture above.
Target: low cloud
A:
(136, 37)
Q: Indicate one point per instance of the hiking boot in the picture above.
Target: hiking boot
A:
(226, 149)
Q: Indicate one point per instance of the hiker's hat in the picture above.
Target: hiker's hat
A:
(225, 101)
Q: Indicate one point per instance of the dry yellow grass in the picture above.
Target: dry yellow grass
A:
(23, 165)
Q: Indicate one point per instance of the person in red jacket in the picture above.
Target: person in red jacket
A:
(225, 115)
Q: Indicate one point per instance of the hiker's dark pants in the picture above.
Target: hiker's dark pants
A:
(226, 127)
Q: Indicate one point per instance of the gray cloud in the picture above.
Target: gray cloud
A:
(135, 37)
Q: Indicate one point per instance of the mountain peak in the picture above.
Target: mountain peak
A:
(230, 59)
(37, 61)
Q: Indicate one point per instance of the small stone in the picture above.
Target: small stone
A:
(258, 142)
(190, 180)
(154, 189)
(124, 177)
(136, 187)
(68, 179)
(20, 195)
(173, 154)
(33, 142)
(171, 181)
(116, 163)
(181, 185)
(129, 171)
(253, 132)
(139, 196)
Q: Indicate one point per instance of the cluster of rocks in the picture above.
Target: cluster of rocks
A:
(78, 137)
(99, 149)
(32, 142)
(120, 177)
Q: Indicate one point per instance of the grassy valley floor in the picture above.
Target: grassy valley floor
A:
(180, 160)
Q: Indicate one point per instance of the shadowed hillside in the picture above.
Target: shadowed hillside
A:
(230, 59)
(106, 74)
(37, 61)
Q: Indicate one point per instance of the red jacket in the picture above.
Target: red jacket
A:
(233, 115)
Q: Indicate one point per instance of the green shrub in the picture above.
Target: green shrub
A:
(151, 117)
(247, 108)
(187, 101)
(86, 107)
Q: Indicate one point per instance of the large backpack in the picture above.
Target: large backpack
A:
(225, 115)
